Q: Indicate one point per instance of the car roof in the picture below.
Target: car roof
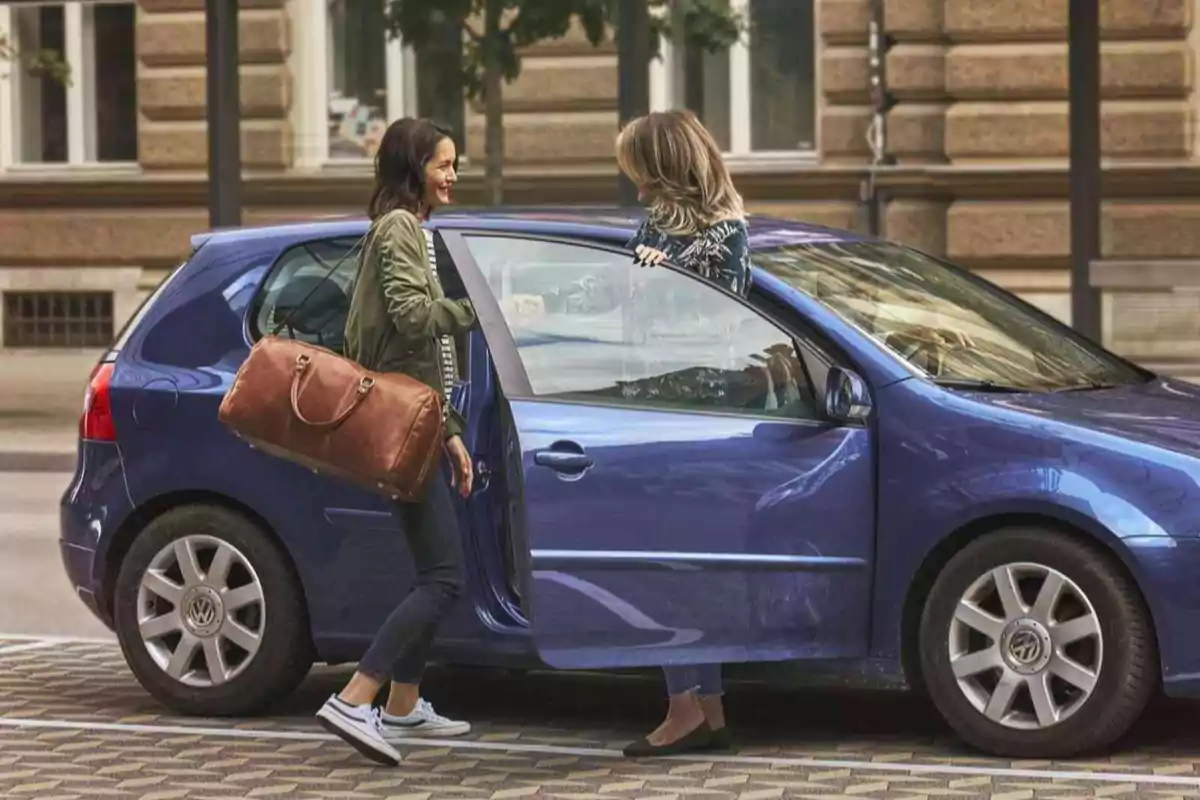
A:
(601, 223)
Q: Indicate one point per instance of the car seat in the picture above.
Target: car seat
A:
(318, 308)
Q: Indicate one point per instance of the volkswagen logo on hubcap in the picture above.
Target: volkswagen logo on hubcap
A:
(202, 611)
(1025, 646)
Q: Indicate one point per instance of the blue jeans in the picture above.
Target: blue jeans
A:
(703, 679)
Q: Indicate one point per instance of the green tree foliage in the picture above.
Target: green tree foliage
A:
(495, 31)
(46, 63)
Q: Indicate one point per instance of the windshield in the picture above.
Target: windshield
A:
(946, 324)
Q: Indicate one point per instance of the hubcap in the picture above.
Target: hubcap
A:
(1025, 646)
(201, 611)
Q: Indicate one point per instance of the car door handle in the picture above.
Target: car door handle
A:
(562, 461)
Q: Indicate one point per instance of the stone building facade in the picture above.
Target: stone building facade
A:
(980, 133)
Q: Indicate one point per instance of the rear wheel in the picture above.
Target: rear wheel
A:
(1035, 645)
(210, 615)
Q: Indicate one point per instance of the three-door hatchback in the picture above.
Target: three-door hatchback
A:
(878, 467)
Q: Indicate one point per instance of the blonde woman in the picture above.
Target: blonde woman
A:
(696, 221)
(695, 218)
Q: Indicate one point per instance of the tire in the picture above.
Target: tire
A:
(1069, 721)
(261, 595)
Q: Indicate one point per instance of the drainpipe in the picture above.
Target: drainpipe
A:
(871, 198)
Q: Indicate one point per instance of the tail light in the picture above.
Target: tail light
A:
(96, 424)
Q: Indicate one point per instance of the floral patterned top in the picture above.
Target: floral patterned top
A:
(720, 253)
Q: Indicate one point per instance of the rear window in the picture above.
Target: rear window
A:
(302, 293)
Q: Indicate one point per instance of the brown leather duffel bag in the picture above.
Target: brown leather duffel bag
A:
(313, 407)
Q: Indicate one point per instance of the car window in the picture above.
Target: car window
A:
(591, 325)
(297, 284)
(941, 321)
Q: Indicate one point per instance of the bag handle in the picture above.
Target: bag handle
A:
(357, 247)
(365, 385)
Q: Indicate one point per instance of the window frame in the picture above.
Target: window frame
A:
(309, 63)
(510, 369)
(79, 49)
(664, 95)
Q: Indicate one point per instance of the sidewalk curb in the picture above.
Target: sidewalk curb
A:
(37, 461)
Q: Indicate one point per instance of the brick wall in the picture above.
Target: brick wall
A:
(561, 110)
(171, 85)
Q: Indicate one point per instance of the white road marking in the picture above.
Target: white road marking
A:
(21, 648)
(589, 752)
(56, 639)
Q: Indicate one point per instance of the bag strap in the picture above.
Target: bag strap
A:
(358, 246)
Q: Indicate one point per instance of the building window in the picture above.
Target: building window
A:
(759, 97)
(91, 120)
(357, 65)
(58, 319)
(354, 80)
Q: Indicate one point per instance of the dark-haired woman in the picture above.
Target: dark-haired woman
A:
(400, 321)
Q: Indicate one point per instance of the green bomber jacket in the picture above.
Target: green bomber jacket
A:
(399, 312)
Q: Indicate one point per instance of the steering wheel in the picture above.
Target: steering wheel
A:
(927, 348)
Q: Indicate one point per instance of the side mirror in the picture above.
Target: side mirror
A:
(846, 396)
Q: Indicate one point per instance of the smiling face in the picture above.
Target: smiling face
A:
(440, 175)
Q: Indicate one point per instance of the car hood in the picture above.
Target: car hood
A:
(1163, 412)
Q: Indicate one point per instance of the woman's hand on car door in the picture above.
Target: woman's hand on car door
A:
(463, 476)
(649, 256)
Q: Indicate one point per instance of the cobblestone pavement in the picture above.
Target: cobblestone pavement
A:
(75, 724)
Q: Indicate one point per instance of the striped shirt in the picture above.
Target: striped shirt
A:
(448, 360)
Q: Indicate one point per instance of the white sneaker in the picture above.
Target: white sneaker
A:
(422, 723)
(360, 728)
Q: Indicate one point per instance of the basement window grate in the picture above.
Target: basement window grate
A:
(58, 319)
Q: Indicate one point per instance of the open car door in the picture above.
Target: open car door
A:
(677, 496)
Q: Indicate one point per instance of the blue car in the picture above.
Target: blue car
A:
(877, 469)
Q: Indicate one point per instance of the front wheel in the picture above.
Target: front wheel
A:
(210, 615)
(1036, 645)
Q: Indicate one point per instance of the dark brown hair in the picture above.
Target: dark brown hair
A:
(400, 162)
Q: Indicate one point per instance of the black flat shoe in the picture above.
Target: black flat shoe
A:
(698, 739)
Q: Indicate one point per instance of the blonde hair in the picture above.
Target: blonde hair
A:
(674, 157)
